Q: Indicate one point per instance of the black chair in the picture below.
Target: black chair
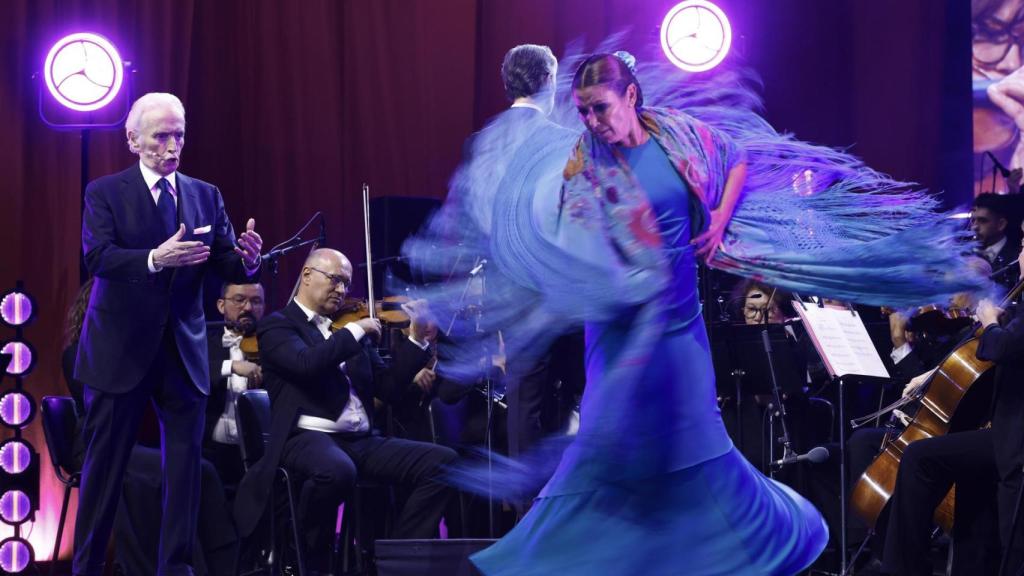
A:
(252, 413)
(60, 426)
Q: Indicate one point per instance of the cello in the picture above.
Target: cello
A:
(956, 399)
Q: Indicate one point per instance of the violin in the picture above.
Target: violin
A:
(250, 348)
(388, 310)
(936, 319)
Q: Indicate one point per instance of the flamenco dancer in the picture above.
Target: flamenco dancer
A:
(652, 484)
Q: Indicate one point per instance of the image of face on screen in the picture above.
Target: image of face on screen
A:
(997, 36)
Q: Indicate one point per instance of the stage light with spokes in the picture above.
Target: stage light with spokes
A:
(83, 71)
(696, 35)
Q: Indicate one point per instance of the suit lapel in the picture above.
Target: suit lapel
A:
(187, 206)
(309, 332)
(187, 203)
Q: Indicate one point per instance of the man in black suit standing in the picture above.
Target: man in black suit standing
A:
(538, 388)
(149, 235)
(322, 387)
(231, 373)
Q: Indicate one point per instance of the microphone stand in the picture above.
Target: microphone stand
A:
(489, 419)
(787, 446)
(275, 253)
(478, 268)
(272, 257)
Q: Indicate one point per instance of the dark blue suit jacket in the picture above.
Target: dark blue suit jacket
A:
(130, 307)
(1004, 345)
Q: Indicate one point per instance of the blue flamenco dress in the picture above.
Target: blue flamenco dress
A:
(706, 511)
(651, 484)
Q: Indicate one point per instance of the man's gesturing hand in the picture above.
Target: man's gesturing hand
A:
(174, 253)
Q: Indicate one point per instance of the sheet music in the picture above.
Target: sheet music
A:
(842, 341)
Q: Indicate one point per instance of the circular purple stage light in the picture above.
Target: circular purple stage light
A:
(16, 408)
(696, 35)
(16, 308)
(15, 456)
(14, 507)
(83, 71)
(15, 555)
(22, 357)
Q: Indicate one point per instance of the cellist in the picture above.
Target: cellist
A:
(984, 464)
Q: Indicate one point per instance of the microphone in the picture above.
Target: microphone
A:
(816, 455)
(322, 239)
(480, 266)
(999, 165)
(979, 91)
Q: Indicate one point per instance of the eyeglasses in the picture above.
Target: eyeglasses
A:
(992, 38)
(753, 311)
(334, 279)
(241, 301)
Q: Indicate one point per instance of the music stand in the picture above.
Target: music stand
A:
(739, 358)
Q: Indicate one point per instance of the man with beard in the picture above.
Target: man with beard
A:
(230, 375)
(994, 222)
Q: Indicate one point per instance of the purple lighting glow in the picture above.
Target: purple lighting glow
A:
(83, 71)
(15, 555)
(22, 357)
(696, 35)
(14, 507)
(15, 409)
(16, 308)
(15, 456)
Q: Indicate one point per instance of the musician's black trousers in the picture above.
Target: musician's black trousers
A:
(983, 501)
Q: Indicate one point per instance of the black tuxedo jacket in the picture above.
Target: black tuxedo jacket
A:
(1004, 345)
(301, 374)
(1008, 254)
(131, 308)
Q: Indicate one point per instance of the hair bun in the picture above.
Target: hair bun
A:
(628, 59)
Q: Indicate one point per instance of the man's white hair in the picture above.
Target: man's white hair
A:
(148, 102)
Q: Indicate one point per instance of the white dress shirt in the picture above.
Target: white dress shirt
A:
(226, 429)
(992, 251)
(151, 179)
(353, 417)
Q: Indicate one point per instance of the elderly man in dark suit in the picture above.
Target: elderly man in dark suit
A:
(322, 387)
(149, 235)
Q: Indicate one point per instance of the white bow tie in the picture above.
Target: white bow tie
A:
(230, 339)
(319, 320)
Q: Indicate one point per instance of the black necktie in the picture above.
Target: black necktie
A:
(165, 205)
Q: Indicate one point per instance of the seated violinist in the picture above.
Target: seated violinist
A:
(322, 387)
(230, 375)
(755, 298)
(921, 340)
(985, 465)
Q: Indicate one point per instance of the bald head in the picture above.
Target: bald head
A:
(324, 283)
